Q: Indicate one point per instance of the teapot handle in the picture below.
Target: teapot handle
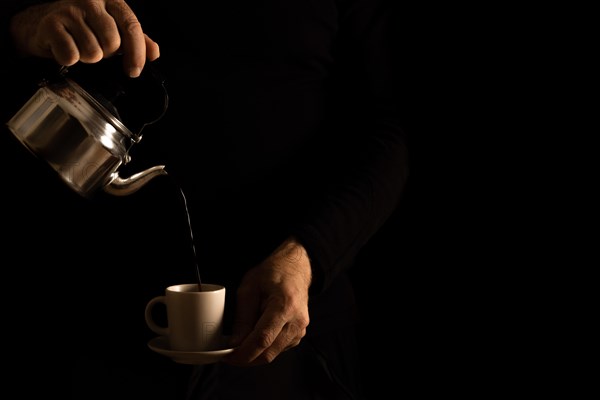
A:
(135, 102)
(152, 78)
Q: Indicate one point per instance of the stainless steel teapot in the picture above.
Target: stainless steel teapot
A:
(72, 122)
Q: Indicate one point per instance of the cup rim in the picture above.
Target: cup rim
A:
(192, 288)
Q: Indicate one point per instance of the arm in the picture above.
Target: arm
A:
(363, 168)
(370, 167)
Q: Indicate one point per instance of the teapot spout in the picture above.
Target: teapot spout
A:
(126, 186)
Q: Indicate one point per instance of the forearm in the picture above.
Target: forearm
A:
(366, 140)
(341, 222)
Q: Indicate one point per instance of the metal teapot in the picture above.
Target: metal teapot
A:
(74, 122)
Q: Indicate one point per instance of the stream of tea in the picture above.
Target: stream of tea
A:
(189, 222)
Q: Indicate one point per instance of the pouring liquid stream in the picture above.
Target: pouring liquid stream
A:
(187, 212)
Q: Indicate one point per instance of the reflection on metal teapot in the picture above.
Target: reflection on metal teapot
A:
(82, 136)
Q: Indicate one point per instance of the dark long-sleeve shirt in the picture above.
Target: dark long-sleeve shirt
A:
(286, 115)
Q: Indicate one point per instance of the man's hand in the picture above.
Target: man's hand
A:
(272, 306)
(83, 30)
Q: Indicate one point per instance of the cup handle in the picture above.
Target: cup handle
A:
(154, 327)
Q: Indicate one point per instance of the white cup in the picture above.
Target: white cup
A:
(194, 318)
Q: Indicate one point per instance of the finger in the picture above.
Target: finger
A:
(262, 337)
(62, 46)
(61, 37)
(105, 30)
(289, 337)
(152, 49)
(133, 40)
(86, 41)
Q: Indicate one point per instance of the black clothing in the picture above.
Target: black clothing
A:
(283, 120)
(298, 93)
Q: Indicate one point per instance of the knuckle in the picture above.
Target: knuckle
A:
(303, 321)
(295, 332)
(92, 8)
(52, 24)
(132, 26)
(264, 340)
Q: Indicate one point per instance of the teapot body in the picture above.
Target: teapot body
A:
(60, 125)
(80, 138)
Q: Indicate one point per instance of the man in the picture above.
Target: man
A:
(282, 135)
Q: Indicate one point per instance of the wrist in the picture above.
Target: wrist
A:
(294, 253)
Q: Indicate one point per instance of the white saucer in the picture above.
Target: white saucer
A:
(160, 345)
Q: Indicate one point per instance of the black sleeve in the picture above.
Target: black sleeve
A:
(368, 180)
